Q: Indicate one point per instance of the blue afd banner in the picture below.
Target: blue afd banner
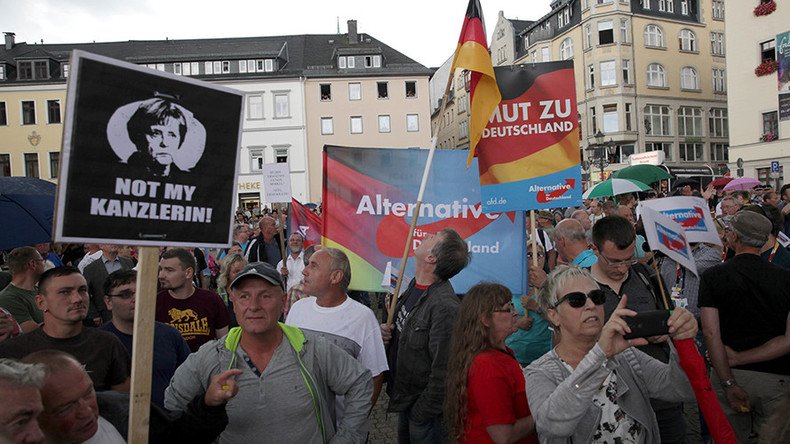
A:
(369, 201)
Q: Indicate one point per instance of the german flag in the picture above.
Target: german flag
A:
(472, 54)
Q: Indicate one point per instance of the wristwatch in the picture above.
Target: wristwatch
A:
(727, 383)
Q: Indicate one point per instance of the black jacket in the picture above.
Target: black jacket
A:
(256, 250)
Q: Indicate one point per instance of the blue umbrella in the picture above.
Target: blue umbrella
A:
(26, 209)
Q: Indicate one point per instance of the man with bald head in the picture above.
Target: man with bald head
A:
(570, 240)
(266, 246)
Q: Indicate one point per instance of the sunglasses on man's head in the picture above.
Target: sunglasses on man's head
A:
(577, 299)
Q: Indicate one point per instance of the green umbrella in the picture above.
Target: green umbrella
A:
(643, 173)
(612, 187)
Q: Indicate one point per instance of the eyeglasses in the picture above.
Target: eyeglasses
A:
(577, 299)
(126, 294)
(529, 255)
(508, 308)
(627, 262)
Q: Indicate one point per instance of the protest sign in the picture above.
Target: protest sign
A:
(368, 195)
(529, 152)
(149, 158)
(667, 236)
(276, 183)
(690, 212)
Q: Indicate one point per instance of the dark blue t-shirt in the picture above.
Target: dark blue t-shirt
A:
(170, 350)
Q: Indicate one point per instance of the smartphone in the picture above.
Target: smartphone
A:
(647, 323)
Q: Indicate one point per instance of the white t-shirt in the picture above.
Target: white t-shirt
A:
(295, 267)
(106, 434)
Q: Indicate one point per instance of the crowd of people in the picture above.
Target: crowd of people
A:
(264, 341)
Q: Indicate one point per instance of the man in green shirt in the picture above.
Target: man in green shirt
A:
(19, 297)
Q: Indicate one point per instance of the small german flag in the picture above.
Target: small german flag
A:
(472, 54)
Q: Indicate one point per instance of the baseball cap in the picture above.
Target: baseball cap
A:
(753, 228)
(262, 270)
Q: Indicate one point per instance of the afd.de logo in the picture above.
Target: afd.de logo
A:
(691, 219)
(672, 240)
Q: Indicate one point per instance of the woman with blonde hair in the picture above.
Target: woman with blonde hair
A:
(230, 266)
(486, 401)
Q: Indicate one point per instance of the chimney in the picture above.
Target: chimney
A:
(9, 40)
(352, 32)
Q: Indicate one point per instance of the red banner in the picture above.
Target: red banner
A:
(302, 220)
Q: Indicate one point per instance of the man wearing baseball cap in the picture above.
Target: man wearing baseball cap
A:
(745, 311)
(289, 377)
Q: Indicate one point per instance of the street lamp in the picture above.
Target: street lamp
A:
(602, 150)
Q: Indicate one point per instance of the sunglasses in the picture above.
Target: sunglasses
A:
(577, 299)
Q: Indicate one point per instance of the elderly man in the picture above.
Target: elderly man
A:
(19, 297)
(745, 307)
(198, 314)
(418, 344)
(571, 243)
(346, 322)
(63, 297)
(95, 274)
(21, 406)
(294, 264)
(266, 246)
(289, 378)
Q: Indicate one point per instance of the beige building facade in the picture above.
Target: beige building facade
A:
(757, 134)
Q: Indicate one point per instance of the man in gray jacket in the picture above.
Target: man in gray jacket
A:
(289, 377)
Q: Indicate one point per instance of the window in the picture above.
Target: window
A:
(666, 5)
(31, 164)
(719, 81)
(258, 65)
(160, 67)
(534, 57)
(373, 61)
(684, 7)
(354, 91)
(608, 73)
(177, 69)
(526, 42)
(564, 17)
(610, 122)
(255, 106)
(382, 89)
(605, 32)
(625, 34)
(2, 72)
(208, 68)
(326, 125)
(41, 70)
(412, 123)
(242, 66)
(341, 62)
(256, 159)
(566, 49)
(53, 111)
(689, 121)
(718, 9)
(195, 67)
(590, 76)
(282, 106)
(326, 91)
(770, 124)
(660, 146)
(656, 76)
(64, 70)
(28, 113)
(593, 121)
(411, 89)
(5, 165)
(654, 36)
(689, 78)
(626, 72)
(657, 120)
(628, 117)
(225, 67)
(587, 37)
(268, 65)
(384, 124)
(688, 40)
(717, 122)
(691, 152)
(281, 154)
(24, 70)
(720, 152)
(218, 67)
(54, 162)
(646, 4)
(356, 125)
(768, 50)
(3, 115)
(545, 54)
(717, 43)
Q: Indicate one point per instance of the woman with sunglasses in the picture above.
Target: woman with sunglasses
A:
(486, 401)
(594, 386)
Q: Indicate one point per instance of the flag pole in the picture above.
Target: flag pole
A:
(425, 174)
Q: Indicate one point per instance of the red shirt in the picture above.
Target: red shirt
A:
(496, 394)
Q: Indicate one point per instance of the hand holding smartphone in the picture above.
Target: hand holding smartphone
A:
(648, 323)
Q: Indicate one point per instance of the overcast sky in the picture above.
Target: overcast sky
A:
(425, 30)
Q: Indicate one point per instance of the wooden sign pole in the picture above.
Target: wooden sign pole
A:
(143, 345)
